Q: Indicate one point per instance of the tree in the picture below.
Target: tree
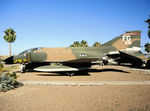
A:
(75, 44)
(148, 21)
(84, 43)
(9, 36)
(97, 44)
(149, 33)
(147, 47)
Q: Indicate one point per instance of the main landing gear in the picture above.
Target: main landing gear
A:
(70, 73)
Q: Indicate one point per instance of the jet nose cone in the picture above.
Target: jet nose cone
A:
(9, 60)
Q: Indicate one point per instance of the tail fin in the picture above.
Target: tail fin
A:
(127, 40)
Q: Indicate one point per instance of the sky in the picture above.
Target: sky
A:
(58, 23)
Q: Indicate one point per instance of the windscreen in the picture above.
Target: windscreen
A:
(30, 50)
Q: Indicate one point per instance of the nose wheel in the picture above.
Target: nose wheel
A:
(22, 68)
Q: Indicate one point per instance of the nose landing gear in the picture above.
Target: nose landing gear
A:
(22, 68)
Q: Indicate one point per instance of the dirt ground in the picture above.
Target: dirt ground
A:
(80, 98)
(76, 98)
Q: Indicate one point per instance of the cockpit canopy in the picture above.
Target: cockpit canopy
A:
(30, 50)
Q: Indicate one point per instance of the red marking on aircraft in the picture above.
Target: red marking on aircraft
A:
(132, 34)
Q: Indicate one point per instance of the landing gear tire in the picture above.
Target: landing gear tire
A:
(105, 62)
(70, 74)
(101, 64)
(22, 68)
(22, 71)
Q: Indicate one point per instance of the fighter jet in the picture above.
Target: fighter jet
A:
(122, 49)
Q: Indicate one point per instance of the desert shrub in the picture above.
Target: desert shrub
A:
(8, 81)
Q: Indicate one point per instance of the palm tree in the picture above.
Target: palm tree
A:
(97, 44)
(10, 37)
(75, 44)
(84, 43)
(148, 21)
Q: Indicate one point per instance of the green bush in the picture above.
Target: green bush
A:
(8, 81)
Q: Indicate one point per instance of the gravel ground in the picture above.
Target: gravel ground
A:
(76, 98)
(127, 97)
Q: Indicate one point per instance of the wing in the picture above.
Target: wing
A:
(67, 66)
(80, 60)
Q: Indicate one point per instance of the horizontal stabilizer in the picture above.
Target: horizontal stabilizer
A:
(128, 58)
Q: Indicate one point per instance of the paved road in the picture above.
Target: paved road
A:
(85, 83)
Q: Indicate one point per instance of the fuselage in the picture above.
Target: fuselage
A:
(61, 54)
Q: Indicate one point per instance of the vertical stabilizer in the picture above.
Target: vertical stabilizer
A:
(129, 39)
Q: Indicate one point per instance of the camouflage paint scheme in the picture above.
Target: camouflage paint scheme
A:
(122, 49)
